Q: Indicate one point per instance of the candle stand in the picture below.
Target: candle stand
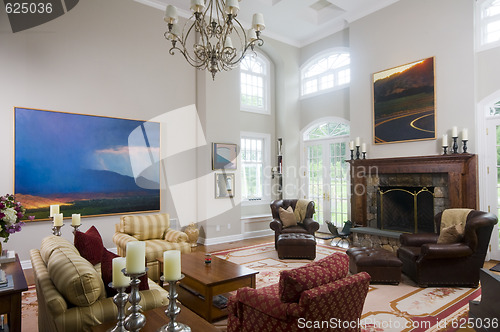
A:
(56, 230)
(75, 228)
(455, 145)
(445, 148)
(357, 152)
(364, 155)
(135, 320)
(464, 142)
(352, 154)
(120, 299)
(173, 310)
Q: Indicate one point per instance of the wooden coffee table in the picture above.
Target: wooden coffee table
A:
(10, 299)
(156, 318)
(203, 281)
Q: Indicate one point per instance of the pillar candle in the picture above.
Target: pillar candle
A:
(465, 134)
(351, 145)
(136, 257)
(58, 219)
(119, 279)
(363, 147)
(358, 140)
(172, 265)
(454, 132)
(445, 140)
(54, 209)
(75, 220)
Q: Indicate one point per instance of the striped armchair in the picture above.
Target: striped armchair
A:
(155, 230)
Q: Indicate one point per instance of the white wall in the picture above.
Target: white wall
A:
(102, 58)
(405, 32)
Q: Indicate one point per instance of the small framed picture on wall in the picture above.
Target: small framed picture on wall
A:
(224, 156)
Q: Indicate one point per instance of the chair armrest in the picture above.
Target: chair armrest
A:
(310, 225)
(417, 240)
(121, 240)
(172, 235)
(276, 225)
(444, 250)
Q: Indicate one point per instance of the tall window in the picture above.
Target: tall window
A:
(254, 84)
(324, 72)
(489, 26)
(255, 167)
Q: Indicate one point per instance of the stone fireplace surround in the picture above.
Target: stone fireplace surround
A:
(454, 178)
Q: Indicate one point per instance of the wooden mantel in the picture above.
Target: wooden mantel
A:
(461, 170)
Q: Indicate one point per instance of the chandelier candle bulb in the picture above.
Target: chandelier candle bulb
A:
(75, 219)
(258, 22)
(251, 35)
(58, 219)
(465, 134)
(197, 5)
(228, 43)
(445, 140)
(54, 209)
(171, 14)
(172, 265)
(232, 7)
(454, 132)
(118, 278)
(136, 257)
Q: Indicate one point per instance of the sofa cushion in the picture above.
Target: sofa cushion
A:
(74, 277)
(287, 217)
(329, 269)
(146, 227)
(89, 245)
(52, 242)
(107, 274)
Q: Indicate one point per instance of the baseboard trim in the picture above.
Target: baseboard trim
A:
(256, 234)
(219, 240)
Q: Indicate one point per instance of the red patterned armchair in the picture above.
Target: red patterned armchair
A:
(318, 292)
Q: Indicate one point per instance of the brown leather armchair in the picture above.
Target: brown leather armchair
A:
(307, 226)
(456, 264)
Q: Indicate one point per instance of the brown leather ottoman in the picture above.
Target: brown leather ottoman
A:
(296, 245)
(380, 264)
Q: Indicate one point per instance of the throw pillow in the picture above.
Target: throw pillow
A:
(451, 234)
(329, 269)
(107, 274)
(287, 217)
(89, 244)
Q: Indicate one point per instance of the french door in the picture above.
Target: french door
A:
(493, 179)
(327, 179)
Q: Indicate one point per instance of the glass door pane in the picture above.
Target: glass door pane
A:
(338, 184)
(315, 179)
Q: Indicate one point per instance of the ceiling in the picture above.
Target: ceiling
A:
(295, 22)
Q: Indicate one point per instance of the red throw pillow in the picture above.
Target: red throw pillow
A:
(329, 269)
(107, 274)
(89, 244)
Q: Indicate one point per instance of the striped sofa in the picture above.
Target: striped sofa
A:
(154, 229)
(70, 290)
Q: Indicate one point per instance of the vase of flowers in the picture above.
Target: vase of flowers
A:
(11, 216)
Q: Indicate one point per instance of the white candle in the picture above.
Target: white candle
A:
(58, 219)
(75, 220)
(465, 134)
(454, 131)
(119, 279)
(172, 265)
(351, 145)
(363, 147)
(54, 209)
(136, 257)
(358, 140)
(445, 140)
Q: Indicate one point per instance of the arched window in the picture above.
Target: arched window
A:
(327, 177)
(489, 22)
(325, 71)
(255, 84)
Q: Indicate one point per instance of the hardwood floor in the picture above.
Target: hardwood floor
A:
(28, 273)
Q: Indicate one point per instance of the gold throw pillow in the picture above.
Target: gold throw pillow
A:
(287, 217)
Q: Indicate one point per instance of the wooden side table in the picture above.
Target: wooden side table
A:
(10, 299)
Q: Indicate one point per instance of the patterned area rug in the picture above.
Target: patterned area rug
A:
(29, 310)
(404, 307)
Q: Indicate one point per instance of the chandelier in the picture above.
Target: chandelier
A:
(214, 23)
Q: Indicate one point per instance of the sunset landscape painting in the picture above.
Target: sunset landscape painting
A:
(86, 164)
(404, 103)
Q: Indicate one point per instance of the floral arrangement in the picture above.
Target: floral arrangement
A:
(11, 214)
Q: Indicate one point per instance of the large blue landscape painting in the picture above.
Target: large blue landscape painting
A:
(87, 164)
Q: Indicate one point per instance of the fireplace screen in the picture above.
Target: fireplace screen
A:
(406, 209)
